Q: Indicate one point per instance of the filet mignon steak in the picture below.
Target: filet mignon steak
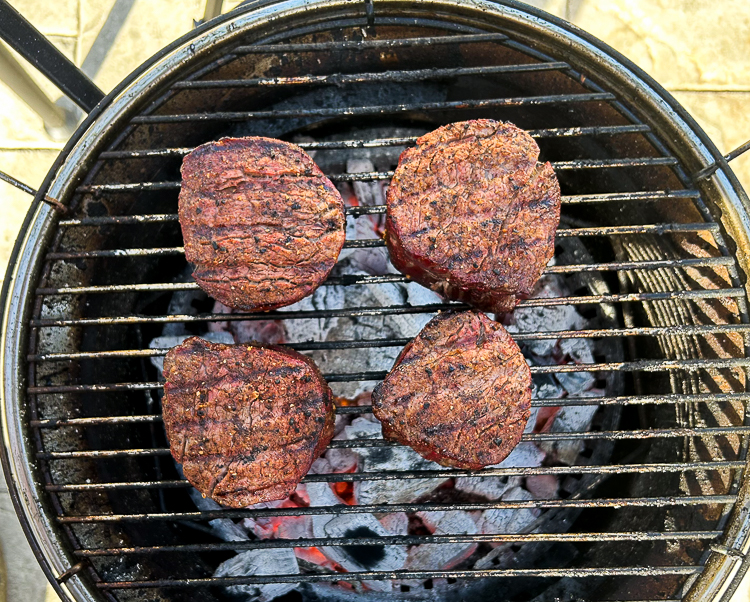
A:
(261, 223)
(245, 421)
(472, 215)
(459, 393)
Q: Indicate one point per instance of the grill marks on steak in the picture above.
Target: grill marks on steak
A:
(472, 215)
(459, 393)
(245, 421)
(261, 223)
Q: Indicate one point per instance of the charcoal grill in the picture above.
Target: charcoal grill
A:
(660, 217)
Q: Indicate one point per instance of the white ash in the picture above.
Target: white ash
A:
(342, 460)
(580, 351)
(525, 454)
(273, 561)
(228, 530)
(389, 558)
(378, 459)
(354, 328)
(367, 193)
(490, 487)
(571, 419)
(508, 520)
(546, 319)
(167, 342)
(267, 527)
(395, 522)
(576, 383)
(543, 486)
(223, 528)
(386, 558)
(271, 332)
(443, 555)
(418, 295)
(545, 386)
(531, 422)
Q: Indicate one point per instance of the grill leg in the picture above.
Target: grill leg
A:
(213, 9)
(12, 73)
(40, 52)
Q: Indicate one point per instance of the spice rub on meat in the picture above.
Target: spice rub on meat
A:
(472, 215)
(261, 223)
(245, 421)
(459, 393)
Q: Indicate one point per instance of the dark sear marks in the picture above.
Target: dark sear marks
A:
(245, 421)
(472, 215)
(459, 393)
(261, 223)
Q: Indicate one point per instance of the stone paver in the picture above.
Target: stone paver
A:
(700, 44)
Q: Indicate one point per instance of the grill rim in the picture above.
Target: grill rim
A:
(720, 575)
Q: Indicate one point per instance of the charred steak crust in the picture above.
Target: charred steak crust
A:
(472, 215)
(459, 393)
(261, 223)
(245, 421)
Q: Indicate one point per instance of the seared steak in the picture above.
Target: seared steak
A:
(472, 215)
(459, 393)
(261, 223)
(245, 421)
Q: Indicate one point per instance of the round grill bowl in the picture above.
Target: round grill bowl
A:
(664, 260)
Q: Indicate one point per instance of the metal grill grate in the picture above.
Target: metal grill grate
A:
(657, 262)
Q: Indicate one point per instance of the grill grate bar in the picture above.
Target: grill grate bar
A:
(602, 130)
(339, 79)
(363, 409)
(399, 342)
(394, 310)
(383, 43)
(381, 575)
(403, 540)
(634, 366)
(340, 509)
(373, 110)
(363, 443)
(376, 243)
(387, 175)
(437, 474)
(648, 195)
(347, 280)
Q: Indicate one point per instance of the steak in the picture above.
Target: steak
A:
(472, 215)
(459, 394)
(245, 421)
(261, 223)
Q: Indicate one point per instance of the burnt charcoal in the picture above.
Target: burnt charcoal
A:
(276, 561)
(261, 223)
(459, 393)
(472, 215)
(245, 421)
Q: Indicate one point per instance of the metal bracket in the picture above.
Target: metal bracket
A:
(76, 568)
(730, 552)
(55, 204)
(711, 169)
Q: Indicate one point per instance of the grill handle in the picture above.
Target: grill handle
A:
(731, 155)
(23, 37)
